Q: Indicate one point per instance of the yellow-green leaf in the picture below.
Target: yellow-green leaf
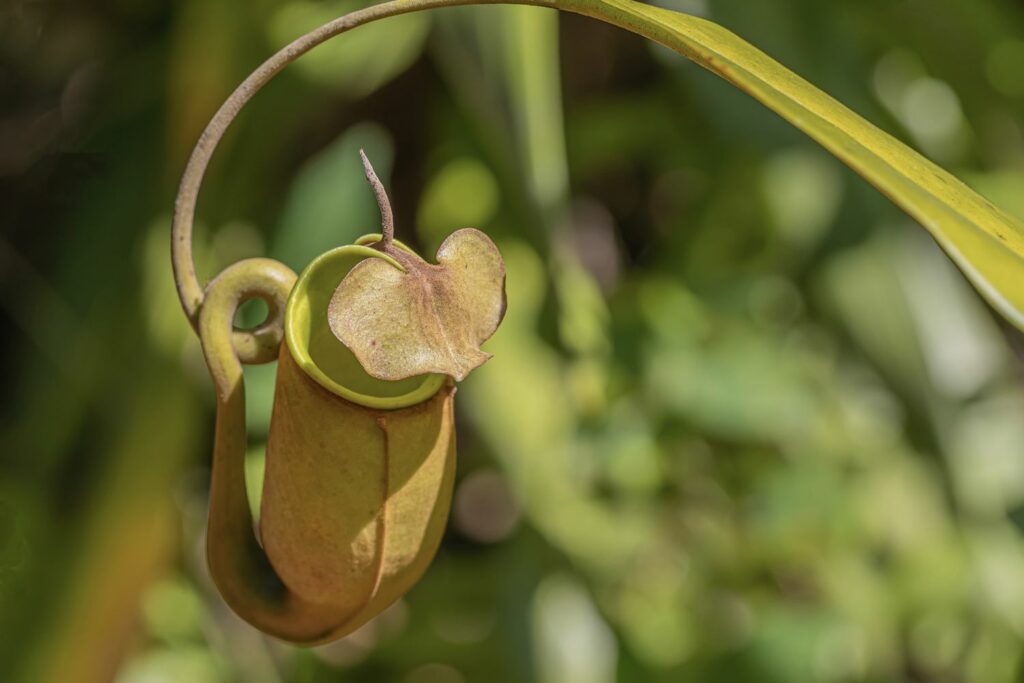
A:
(984, 241)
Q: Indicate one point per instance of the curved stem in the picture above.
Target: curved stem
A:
(190, 291)
(387, 218)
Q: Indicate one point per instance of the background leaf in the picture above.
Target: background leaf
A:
(984, 241)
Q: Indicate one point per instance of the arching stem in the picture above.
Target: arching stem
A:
(387, 219)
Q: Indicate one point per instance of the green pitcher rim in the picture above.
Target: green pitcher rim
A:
(299, 332)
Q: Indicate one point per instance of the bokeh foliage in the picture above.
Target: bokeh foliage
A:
(744, 423)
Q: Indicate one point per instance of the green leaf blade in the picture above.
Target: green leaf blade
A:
(985, 242)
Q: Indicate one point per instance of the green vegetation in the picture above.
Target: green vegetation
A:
(745, 421)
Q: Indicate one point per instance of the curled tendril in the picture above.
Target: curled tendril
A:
(254, 346)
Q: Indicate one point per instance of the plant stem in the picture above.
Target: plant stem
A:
(387, 219)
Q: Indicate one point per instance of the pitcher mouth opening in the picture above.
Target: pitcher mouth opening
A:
(322, 356)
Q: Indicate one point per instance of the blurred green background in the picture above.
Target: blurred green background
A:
(745, 422)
